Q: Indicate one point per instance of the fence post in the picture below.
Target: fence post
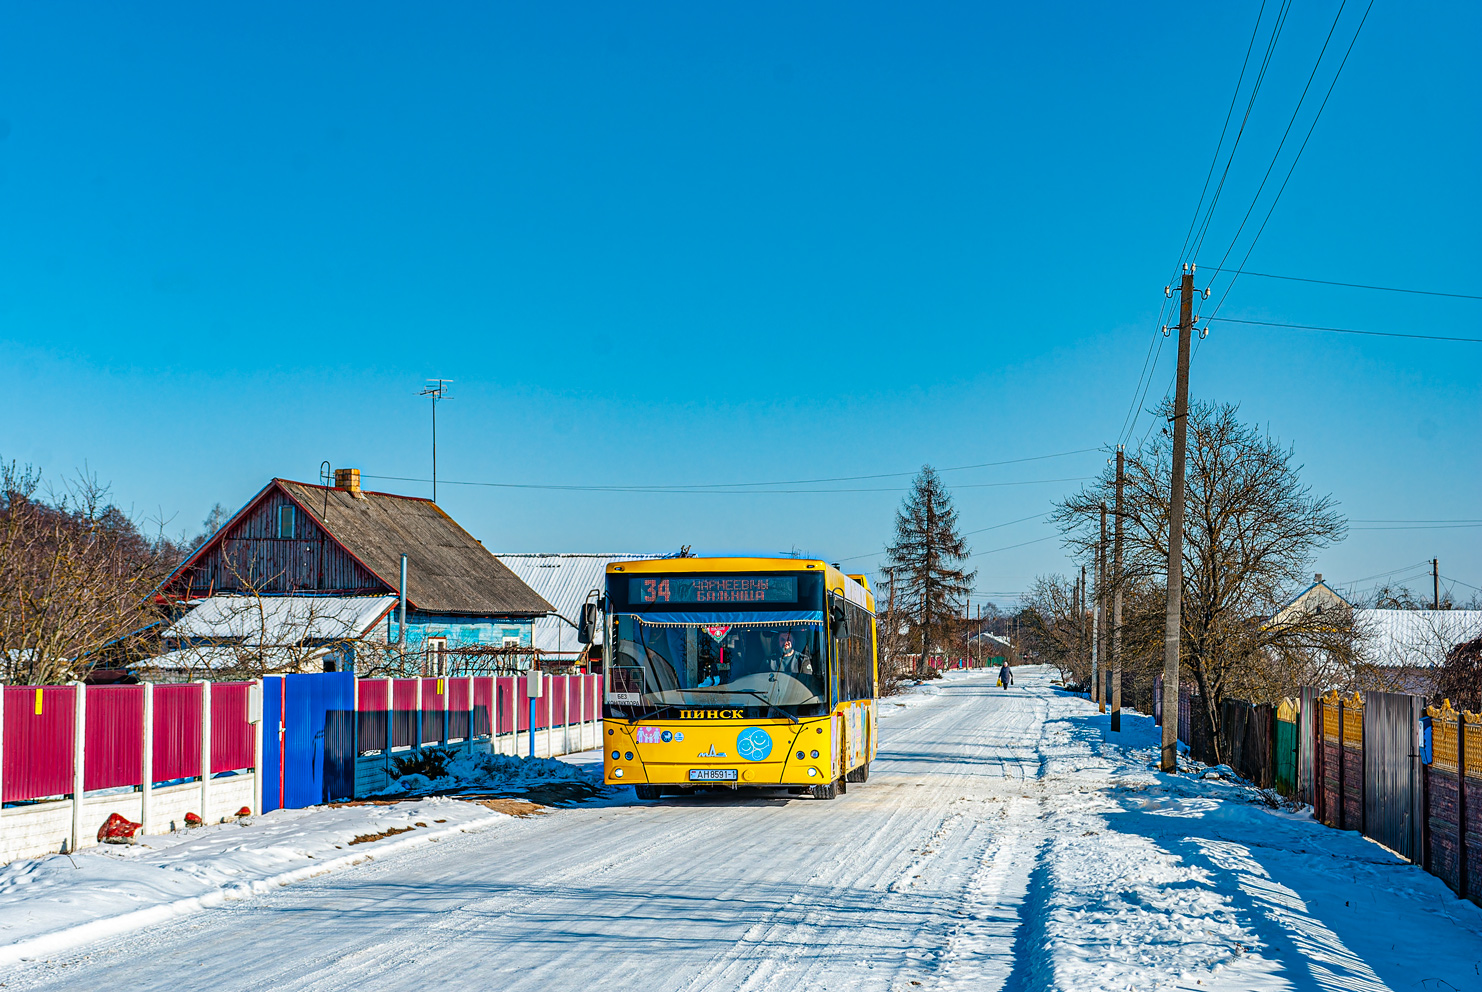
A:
(79, 740)
(417, 744)
(1462, 882)
(445, 690)
(146, 761)
(566, 719)
(550, 714)
(205, 750)
(257, 772)
(390, 721)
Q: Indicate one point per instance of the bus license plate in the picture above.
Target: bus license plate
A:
(712, 774)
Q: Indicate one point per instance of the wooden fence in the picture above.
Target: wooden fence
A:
(1406, 775)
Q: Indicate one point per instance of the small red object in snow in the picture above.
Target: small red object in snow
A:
(117, 829)
(244, 811)
(193, 820)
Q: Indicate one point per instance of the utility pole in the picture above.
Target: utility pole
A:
(437, 389)
(1100, 622)
(1173, 615)
(894, 630)
(1435, 583)
(1080, 615)
(1116, 591)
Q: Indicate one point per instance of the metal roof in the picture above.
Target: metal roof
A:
(280, 620)
(564, 581)
(1414, 637)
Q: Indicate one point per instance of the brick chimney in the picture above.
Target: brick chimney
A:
(348, 479)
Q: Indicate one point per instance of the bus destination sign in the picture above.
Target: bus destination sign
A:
(714, 589)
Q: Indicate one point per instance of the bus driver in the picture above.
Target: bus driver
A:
(791, 660)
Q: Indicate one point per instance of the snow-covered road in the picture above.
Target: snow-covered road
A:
(999, 844)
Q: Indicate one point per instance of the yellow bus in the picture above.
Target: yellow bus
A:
(735, 672)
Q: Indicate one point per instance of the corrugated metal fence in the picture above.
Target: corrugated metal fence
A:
(70, 755)
(1406, 775)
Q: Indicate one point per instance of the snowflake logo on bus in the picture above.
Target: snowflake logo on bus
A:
(753, 744)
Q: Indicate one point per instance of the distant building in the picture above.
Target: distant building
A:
(566, 581)
(294, 539)
(1316, 598)
(1396, 639)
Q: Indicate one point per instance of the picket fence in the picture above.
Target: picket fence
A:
(72, 755)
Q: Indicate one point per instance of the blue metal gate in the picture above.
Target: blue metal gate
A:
(308, 745)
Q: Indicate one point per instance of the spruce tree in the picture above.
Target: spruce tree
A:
(927, 556)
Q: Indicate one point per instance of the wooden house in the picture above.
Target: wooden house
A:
(297, 539)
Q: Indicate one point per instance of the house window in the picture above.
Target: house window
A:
(437, 656)
(285, 522)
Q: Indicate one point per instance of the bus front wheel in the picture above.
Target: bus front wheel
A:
(648, 791)
(830, 791)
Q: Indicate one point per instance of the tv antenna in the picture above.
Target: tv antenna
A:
(437, 389)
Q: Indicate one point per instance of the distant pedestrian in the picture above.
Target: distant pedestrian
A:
(1005, 676)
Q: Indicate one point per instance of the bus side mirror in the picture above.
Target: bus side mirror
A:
(588, 623)
(836, 613)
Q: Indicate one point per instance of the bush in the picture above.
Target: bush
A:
(430, 762)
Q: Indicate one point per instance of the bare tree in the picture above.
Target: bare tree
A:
(926, 555)
(1252, 531)
(1054, 632)
(77, 576)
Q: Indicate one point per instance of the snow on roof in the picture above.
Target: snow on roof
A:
(280, 620)
(1414, 637)
(564, 581)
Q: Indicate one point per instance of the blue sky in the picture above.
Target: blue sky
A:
(689, 244)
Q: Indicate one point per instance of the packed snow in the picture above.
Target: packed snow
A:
(1001, 843)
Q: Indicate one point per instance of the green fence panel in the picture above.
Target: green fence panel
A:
(1286, 757)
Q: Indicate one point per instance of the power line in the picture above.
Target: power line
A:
(1298, 158)
(1420, 527)
(717, 492)
(692, 487)
(1395, 571)
(1010, 547)
(1461, 583)
(1380, 520)
(1229, 113)
(1349, 285)
(1346, 330)
(1276, 156)
(980, 530)
(1276, 29)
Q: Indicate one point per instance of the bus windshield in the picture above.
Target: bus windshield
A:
(757, 664)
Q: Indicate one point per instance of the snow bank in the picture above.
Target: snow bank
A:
(501, 772)
(50, 904)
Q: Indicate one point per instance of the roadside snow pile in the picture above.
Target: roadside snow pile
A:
(502, 772)
(53, 903)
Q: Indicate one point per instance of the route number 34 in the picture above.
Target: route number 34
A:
(656, 590)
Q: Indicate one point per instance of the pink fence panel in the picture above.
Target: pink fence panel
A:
(507, 708)
(404, 713)
(38, 742)
(483, 705)
(556, 687)
(177, 732)
(113, 755)
(232, 737)
(460, 692)
(594, 696)
(372, 714)
(432, 711)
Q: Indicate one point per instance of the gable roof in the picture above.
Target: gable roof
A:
(448, 570)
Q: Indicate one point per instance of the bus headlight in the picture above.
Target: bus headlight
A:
(815, 754)
(618, 772)
(812, 772)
